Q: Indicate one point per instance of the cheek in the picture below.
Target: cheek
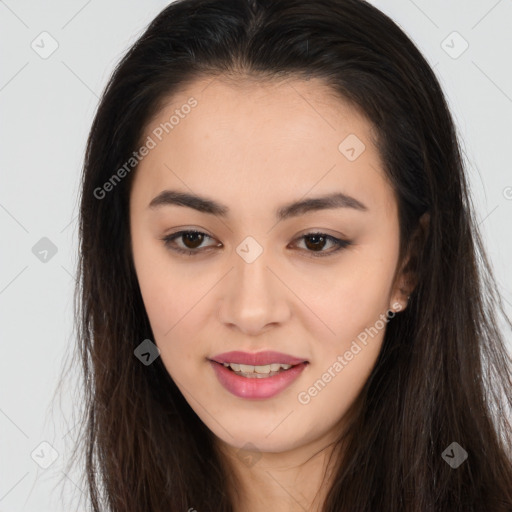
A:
(353, 310)
(167, 308)
(174, 297)
(343, 300)
(170, 297)
(160, 285)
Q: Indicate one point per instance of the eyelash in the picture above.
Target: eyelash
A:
(341, 244)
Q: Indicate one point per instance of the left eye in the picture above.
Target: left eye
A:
(192, 240)
(314, 240)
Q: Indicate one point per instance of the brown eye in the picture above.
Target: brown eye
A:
(315, 243)
(191, 242)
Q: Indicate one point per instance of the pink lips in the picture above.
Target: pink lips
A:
(256, 388)
(256, 359)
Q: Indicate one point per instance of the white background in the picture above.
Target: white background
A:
(47, 106)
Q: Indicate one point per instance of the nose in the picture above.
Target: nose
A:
(254, 298)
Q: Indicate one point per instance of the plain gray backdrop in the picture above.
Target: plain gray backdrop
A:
(56, 59)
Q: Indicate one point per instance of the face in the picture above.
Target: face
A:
(246, 271)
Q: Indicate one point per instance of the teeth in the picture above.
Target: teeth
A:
(263, 369)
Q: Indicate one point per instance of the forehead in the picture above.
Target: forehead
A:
(272, 140)
(287, 108)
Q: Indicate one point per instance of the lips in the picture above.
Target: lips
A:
(258, 358)
(256, 388)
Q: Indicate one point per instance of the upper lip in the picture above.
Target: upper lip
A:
(257, 358)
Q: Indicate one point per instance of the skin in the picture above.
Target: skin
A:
(255, 146)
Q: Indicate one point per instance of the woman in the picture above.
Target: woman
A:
(284, 301)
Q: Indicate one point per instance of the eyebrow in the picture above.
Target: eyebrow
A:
(294, 209)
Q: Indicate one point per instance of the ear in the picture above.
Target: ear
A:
(407, 277)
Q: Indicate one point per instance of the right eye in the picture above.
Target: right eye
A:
(190, 240)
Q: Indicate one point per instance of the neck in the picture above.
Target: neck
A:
(294, 480)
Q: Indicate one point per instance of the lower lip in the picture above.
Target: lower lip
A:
(246, 387)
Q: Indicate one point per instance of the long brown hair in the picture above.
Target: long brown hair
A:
(443, 374)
